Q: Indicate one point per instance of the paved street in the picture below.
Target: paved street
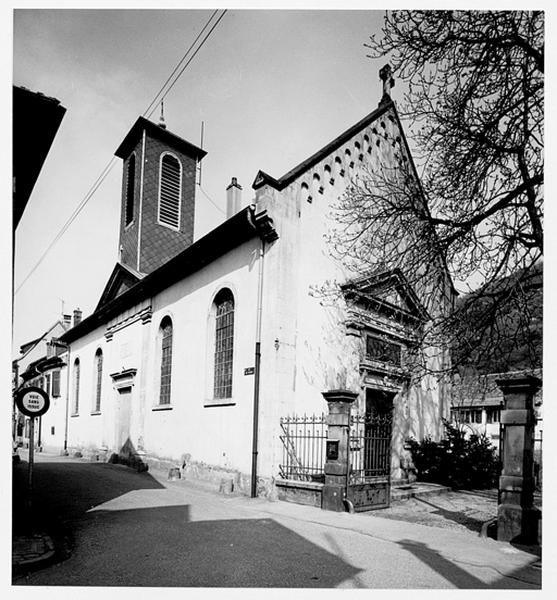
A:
(133, 529)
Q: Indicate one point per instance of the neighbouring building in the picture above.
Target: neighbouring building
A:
(36, 120)
(477, 402)
(43, 364)
(196, 350)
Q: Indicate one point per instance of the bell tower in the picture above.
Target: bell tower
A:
(158, 195)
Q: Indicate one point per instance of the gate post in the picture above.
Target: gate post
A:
(337, 463)
(517, 518)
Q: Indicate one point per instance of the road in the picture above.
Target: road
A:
(134, 529)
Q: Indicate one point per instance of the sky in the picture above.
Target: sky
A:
(271, 87)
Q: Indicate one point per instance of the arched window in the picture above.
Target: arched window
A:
(130, 189)
(98, 374)
(170, 191)
(166, 360)
(76, 386)
(224, 344)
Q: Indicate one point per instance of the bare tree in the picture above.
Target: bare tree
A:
(476, 103)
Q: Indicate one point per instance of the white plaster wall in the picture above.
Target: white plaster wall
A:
(55, 417)
(215, 435)
(313, 352)
(86, 430)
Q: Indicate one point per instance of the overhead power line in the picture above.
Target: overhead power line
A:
(170, 82)
(210, 199)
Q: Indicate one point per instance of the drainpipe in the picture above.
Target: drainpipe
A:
(68, 363)
(257, 372)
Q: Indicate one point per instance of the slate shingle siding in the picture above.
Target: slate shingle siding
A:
(158, 242)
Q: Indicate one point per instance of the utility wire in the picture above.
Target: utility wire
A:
(210, 199)
(154, 102)
(192, 57)
(112, 161)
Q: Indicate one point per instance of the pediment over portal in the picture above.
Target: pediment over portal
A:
(387, 294)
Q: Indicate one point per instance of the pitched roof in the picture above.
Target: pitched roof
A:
(240, 228)
(158, 132)
(122, 278)
(263, 178)
(482, 390)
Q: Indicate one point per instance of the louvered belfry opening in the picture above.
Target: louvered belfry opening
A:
(170, 191)
(130, 190)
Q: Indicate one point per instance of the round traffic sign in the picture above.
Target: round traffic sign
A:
(32, 401)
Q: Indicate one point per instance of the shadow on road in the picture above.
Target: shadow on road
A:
(163, 547)
(63, 494)
(460, 578)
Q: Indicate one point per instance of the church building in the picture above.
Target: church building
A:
(197, 350)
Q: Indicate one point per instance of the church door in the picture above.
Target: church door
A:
(123, 420)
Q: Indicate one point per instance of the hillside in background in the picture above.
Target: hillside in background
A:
(503, 325)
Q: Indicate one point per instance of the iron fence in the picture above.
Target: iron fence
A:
(370, 447)
(303, 447)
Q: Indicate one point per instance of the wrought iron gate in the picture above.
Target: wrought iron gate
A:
(369, 481)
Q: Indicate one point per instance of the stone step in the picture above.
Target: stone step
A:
(417, 490)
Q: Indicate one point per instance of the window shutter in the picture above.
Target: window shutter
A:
(170, 191)
(56, 384)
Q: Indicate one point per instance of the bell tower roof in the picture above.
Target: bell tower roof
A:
(160, 133)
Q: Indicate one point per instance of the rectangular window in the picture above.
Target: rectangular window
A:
(493, 415)
(383, 351)
(52, 430)
(55, 390)
(47, 384)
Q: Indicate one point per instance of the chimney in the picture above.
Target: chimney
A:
(67, 319)
(233, 198)
(76, 317)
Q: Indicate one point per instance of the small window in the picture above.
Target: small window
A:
(47, 384)
(130, 189)
(493, 415)
(224, 344)
(52, 430)
(166, 360)
(170, 191)
(98, 373)
(55, 384)
(76, 374)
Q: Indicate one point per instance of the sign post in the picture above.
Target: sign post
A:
(32, 402)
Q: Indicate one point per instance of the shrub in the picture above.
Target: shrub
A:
(457, 460)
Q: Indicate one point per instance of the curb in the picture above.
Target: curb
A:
(486, 526)
(27, 554)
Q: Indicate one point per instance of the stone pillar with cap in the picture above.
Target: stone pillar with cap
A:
(517, 518)
(337, 465)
